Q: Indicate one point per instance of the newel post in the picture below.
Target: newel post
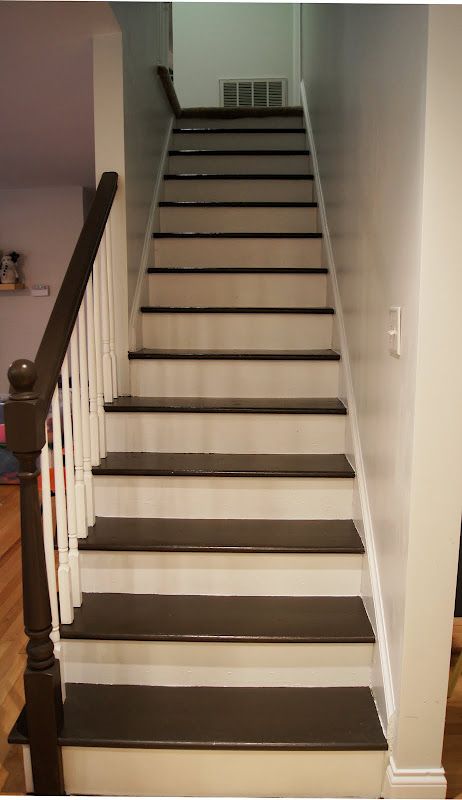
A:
(24, 416)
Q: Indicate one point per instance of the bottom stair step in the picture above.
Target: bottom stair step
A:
(220, 718)
(220, 742)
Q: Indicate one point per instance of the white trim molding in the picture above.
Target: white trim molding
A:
(426, 784)
(382, 683)
(134, 323)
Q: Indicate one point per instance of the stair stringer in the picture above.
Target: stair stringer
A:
(371, 591)
(141, 293)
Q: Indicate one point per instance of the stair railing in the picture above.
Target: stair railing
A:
(74, 374)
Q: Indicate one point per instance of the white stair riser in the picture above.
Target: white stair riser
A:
(235, 289)
(216, 663)
(239, 164)
(193, 252)
(277, 191)
(244, 574)
(284, 220)
(237, 331)
(235, 378)
(242, 122)
(223, 498)
(239, 141)
(172, 432)
(226, 773)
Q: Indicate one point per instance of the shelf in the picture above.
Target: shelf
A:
(11, 287)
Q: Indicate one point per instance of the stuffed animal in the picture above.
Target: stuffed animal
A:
(8, 271)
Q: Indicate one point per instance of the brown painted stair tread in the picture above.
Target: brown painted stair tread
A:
(223, 535)
(217, 718)
(239, 270)
(227, 465)
(236, 355)
(247, 152)
(321, 310)
(234, 235)
(203, 618)
(237, 176)
(223, 405)
(238, 130)
(232, 204)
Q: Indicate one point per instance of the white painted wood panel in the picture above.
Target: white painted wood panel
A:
(239, 190)
(238, 164)
(244, 574)
(223, 498)
(237, 331)
(230, 773)
(239, 141)
(216, 663)
(196, 252)
(281, 220)
(215, 378)
(242, 122)
(172, 432)
(233, 289)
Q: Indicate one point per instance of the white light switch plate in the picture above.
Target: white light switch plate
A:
(40, 290)
(394, 331)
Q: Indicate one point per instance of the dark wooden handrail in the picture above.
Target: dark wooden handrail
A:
(36, 382)
(169, 89)
(31, 389)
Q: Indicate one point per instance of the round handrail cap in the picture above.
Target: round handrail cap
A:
(22, 375)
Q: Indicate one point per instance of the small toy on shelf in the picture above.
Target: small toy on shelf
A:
(8, 270)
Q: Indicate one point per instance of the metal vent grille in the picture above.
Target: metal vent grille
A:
(268, 93)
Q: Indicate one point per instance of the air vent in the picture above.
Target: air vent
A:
(243, 93)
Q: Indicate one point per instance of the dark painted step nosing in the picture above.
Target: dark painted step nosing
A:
(240, 235)
(232, 204)
(320, 310)
(238, 130)
(253, 153)
(140, 534)
(225, 465)
(252, 112)
(226, 176)
(238, 270)
(235, 355)
(218, 405)
(212, 618)
(217, 718)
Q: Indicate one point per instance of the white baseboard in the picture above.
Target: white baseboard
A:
(383, 687)
(410, 783)
(145, 253)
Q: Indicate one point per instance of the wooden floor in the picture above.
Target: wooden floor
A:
(12, 659)
(12, 640)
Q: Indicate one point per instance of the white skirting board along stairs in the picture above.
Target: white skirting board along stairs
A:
(223, 647)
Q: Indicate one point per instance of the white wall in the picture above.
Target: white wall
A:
(147, 117)
(42, 224)
(228, 40)
(386, 179)
(46, 91)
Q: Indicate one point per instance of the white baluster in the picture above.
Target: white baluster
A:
(94, 432)
(70, 488)
(64, 572)
(110, 291)
(85, 411)
(107, 366)
(80, 503)
(48, 542)
(99, 356)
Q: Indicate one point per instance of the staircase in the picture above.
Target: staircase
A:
(222, 646)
